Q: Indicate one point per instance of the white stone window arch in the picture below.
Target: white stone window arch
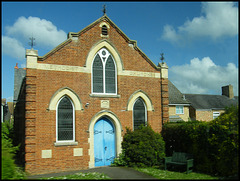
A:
(104, 73)
(106, 44)
(135, 96)
(60, 93)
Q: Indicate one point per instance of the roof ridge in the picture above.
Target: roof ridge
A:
(205, 94)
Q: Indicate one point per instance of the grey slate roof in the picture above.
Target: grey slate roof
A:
(175, 96)
(203, 101)
(19, 75)
(175, 118)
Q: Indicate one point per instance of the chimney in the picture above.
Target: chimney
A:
(16, 67)
(228, 91)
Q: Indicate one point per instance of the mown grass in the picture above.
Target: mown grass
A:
(80, 176)
(165, 174)
(155, 172)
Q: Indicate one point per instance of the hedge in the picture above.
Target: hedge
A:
(213, 144)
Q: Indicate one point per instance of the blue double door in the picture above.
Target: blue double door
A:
(104, 142)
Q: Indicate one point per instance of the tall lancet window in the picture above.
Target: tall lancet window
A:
(139, 113)
(65, 120)
(104, 73)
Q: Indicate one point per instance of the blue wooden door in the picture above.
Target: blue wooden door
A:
(104, 142)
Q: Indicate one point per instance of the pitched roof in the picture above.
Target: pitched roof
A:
(203, 101)
(19, 75)
(175, 118)
(107, 19)
(175, 96)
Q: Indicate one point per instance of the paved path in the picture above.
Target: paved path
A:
(112, 172)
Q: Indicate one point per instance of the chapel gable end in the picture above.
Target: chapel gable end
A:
(75, 50)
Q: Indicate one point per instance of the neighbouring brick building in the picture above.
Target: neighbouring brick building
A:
(206, 107)
(81, 96)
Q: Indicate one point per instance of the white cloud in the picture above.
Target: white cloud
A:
(204, 76)
(218, 20)
(44, 31)
(170, 33)
(13, 48)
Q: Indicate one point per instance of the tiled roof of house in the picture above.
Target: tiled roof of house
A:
(203, 101)
(175, 118)
(175, 96)
(19, 74)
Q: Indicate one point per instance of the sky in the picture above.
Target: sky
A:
(199, 39)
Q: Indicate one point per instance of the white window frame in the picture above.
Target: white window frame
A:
(179, 107)
(216, 115)
(146, 121)
(104, 79)
(62, 141)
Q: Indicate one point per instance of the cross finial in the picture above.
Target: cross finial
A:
(161, 58)
(104, 9)
(32, 43)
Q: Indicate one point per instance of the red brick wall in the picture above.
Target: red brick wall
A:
(42, 84)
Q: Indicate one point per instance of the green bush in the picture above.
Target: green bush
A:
(8, 166)
(9, 169)
(224, 137)
(142, 147)
(213, 144)
(120, 160)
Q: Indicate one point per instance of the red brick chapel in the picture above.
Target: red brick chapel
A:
(81, 96)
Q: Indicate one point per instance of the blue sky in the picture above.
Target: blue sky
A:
(199, 40)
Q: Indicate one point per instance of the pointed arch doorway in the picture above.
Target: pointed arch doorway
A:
(104, 142)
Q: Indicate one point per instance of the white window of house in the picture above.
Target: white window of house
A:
(216, 114)
(179, 110)
(104, 76)
(65, 124)
(139, 113)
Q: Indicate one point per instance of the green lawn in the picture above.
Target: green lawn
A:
(155, 172)
(79, 176)
(164, 174)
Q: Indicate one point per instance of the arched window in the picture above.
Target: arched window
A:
(97, 75)
(110, 76)
(139, 113)
(65, 120)
(104, 30)
(104, 73)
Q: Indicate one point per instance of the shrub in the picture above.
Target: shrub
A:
(120, 160)
(9, 169)
(8, 165)
(142, 147)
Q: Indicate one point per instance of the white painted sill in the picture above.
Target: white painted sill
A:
(66, 143)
